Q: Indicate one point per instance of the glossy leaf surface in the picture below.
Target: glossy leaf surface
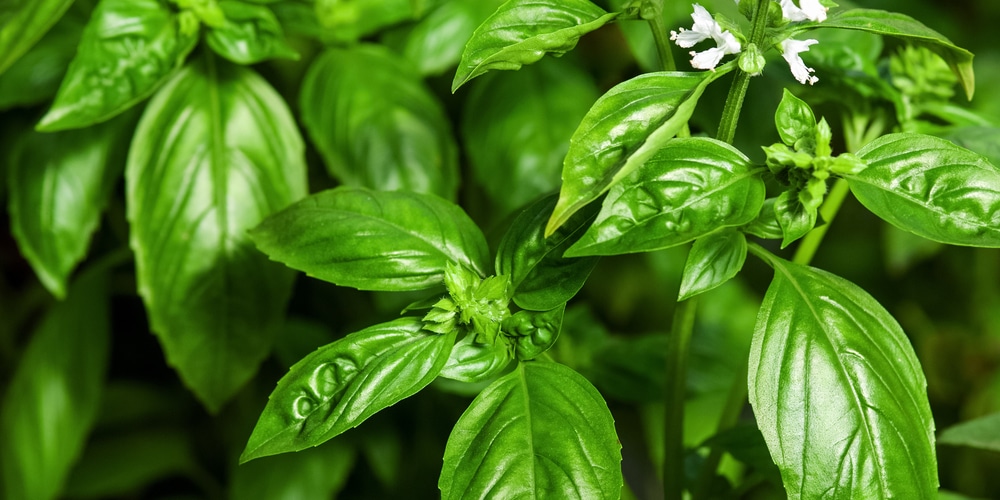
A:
(60, 183)
(540, 276)
(533, 332)
(517, 127)
(23, 22)
(713, 260)
(931, 187)
(982, 433)
(216, 151)
(794, 120)
(471, 361)
(251, 34)
(910, 30)
(373, 240)
(622, 130)
(541, 431)
(793, 218)
(55, 392)
(341, 384)
(838, 391)
(129, 48)
(690, 188)
(319, 472)
(379, 128)
(522, 31)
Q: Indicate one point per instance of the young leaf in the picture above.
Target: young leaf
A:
(522, 31)
(690, 188)
(541, 277)
(55, 392)
(314, 473)
(795, 121)
(542, 431)
(389, 134)
(23, 22)
(347, 21)
(60, 184)
(517, 128)
(932, 188)
(712, 261)
(622, 130)
(838, 391)
(251, 34)
(794, 218)
(216, 151)
(982, 433)
(471, 361)
(766, 224)
(533, 332)
(34, 78)
(129, 48)
(341, 384)
(373, 240)
(910, 30)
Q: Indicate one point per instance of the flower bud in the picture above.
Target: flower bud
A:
(751, 60)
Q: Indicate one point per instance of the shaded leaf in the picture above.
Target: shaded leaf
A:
(129, 48)
(982, 433)
(319, 472)
(347, 21)
(251, 34)
(373, 240)
(624, 129)
(712, 261)
(542, 431)
(793, 217)
(838, 391)
(379, 128)
(216, 151)
(35, 76)
(522, 31)
(690, 188)
(341, 384)
(472, 361)
(55, 392)
(932, 188)
(23, 22)
(531, 333)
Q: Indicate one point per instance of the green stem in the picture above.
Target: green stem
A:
(738, 89)
(676, 371)
(807, 249)
(653, 14)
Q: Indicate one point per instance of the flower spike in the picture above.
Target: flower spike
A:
(807, 10)
(706, 27)
(790, 50)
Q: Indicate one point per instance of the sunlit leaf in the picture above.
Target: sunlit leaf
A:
(251, 34)
(712, 261)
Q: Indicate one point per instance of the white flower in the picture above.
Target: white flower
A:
(810, 10)
(704, 28)
(790, 50)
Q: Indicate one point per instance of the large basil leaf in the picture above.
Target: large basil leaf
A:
(542, 431)
(379, 128)
(347, 21)
(60, 183)
(982, 433)
(250, 34)
(712, 261)
(540, 276)
(35, 76)
(314, 473)
(434, 44)
(517, 128)
(128, 49)
(341, 384)
(902, 26)
(522, 31)
(374, 240)
(55, 392)
(838, 391)
(216, 151)
(622, 130)
(23, 22)
(931, 187)
(690, 188)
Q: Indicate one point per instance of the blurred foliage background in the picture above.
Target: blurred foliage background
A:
(153, 439)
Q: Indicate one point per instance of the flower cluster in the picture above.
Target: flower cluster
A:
(706, 27)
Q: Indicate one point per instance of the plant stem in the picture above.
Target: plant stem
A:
(807, 249)
(738, 89)
(655, 20)
(676, 371)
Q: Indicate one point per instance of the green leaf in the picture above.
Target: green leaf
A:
(341, 384)
(373, 240)
(983, 140)
(766, 224)
(541, 277)
(690, 188)
(622, 130)
(982, 433)
(434, 44)
(319, 472)
(473, 361)
(793, 217)
(60, 184)
(522, 31)
(35, 76)
(533, 332)
(629, 369)
(251, 34)
(379, 128)
(838, 391)
(349, 20)
(23, 22)
(216, 151)
(932, 188)
(795, 122)
(713, 260)
(541, 431)
(55, 392)
(517, 127)
(910, 30)
(129, 48)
